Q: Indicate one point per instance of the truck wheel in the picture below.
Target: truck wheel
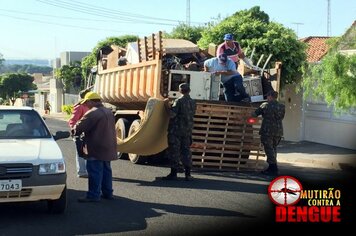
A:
(122, 129)
(135, 158)
(59, 205)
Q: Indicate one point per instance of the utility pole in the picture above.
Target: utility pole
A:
(297, 24)
(329, 20)
(188, 13)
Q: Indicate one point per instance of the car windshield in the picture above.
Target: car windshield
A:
(22, 124)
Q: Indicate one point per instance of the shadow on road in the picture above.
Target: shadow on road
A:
(107, 216)
(201, 183)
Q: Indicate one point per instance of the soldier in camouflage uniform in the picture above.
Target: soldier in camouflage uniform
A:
(271, 129)
(180, 132)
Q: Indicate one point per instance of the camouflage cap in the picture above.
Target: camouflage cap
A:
(272, 93)
(184, 87)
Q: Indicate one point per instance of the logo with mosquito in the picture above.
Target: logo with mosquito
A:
(284, 190)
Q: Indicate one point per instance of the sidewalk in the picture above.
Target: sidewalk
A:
(304, 153)
(309, 154)
(58, 116)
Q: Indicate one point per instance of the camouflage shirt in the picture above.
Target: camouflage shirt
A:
(181, 116)
(273, 114)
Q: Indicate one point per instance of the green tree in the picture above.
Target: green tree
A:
(91, 60)
(11, 84)
(71, 76)
(184, 31)
(253, 29)
(333, 80)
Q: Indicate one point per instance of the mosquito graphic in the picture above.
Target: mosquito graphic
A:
(293, 193)
(288, 190)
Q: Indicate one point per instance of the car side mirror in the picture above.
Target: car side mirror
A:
(61, 135)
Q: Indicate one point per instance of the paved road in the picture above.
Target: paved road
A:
(215, 203)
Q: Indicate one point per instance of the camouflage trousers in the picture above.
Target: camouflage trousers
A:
(179, 150)
(270, 145)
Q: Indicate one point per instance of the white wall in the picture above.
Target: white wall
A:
(323, 125)
(293, 120)
(56, 95)
(314, 121)
(340, 134)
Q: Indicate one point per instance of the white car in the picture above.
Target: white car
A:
(32, 167)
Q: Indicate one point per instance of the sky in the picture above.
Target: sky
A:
(42, 29)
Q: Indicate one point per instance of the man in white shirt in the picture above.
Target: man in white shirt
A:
(231, 80)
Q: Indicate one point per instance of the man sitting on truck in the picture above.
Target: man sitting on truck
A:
(231, 80)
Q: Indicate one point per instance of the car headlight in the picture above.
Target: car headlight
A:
(52, 168)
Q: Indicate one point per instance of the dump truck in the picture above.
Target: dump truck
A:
(134, 81)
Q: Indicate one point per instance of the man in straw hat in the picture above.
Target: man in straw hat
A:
(98, 125)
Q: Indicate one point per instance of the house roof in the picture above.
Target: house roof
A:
(317, 47)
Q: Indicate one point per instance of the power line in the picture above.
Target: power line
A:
(81, 19)
(108, 13)
(297, 24)
(65, 25)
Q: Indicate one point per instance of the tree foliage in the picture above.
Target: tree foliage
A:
(89, 61)
(253, 29)
(11, 84)
(333, 80)
(348, 40)
(184, 31)
(71, 77)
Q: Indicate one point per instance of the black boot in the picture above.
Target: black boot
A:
(180, 169)
(271, 170)
(171, 176)
(188, 177)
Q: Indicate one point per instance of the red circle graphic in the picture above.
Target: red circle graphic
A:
(284, 191)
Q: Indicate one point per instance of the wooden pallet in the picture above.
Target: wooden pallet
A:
(150, 48)
(223, 138)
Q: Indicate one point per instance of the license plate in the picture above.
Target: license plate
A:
(10, 185)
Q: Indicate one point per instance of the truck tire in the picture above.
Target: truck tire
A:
(135, 158)
(122, 129)
(59, 205)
